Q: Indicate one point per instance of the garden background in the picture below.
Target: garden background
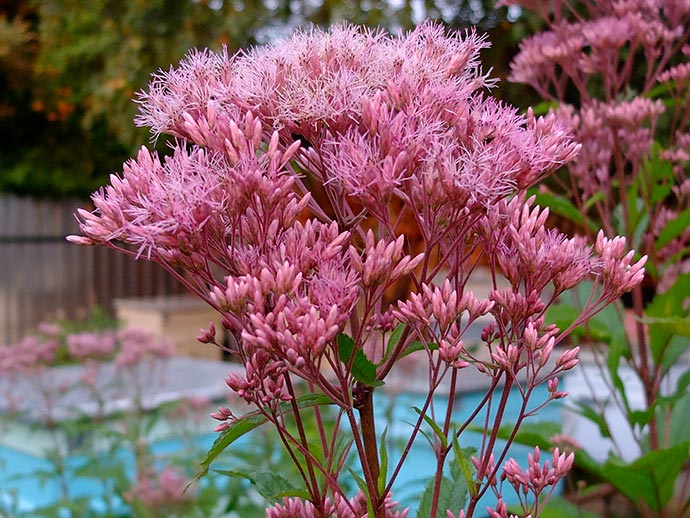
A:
(69, 71)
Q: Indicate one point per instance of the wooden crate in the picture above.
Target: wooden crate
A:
(178, 318)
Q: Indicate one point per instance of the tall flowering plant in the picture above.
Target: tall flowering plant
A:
(294, 170)
(620, 77)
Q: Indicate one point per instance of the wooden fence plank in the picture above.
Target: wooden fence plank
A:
(44, 277)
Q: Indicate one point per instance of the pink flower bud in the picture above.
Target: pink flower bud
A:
(568, 359)
(207, 336)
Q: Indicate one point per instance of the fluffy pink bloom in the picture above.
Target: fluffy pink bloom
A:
(345, 182)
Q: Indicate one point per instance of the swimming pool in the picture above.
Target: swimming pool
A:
(18, 469)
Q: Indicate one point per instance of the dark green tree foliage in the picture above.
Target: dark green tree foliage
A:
(70, 68)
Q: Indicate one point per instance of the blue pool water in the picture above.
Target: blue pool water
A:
(18, 469)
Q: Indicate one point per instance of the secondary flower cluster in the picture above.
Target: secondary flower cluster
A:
(620, 73)
(296, 175)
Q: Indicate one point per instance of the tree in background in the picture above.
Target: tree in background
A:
(69, 69)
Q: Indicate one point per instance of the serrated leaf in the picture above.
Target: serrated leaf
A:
(362, 368)
(272, 485)
(452, 497)
(248, 422)
(269, 484)
(462, 461)
(233, 473)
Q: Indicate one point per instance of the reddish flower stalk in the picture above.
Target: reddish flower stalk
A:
(295, 170)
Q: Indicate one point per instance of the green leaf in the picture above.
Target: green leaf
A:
(618, 348)
(530, 433)
(675, 325)
(452, 497)
(594, 416)
(641, 417)
(600, 328)
(269, 484)
(273, 486)
(651, 478)
(562, 206)
(383, 463)
(587, 463)
(462, 461)
(237, 429)
(683, 382)
(361, 483)
(672, 229)
(248, 422)
(394, 339)
(418, 346)
(363, 369)
(593, 200)
(667, 316)
(679, 422)
(544, 107)
(559, 507)
(437, 430)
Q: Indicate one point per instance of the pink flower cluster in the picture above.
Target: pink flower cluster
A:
(32, 352)
(321, 187)
(27, 360)
(536, 480)
(356, 507)
(621, 76)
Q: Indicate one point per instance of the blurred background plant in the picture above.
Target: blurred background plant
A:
(618, 72)
(61, 391)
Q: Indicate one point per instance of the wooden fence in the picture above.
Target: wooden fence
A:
(43, 277)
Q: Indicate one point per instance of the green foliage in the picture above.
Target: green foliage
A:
(531, 433)
(242, 425)
(438, 433)
(559, 507)
(651, 478)
(453, 491)
(559, 205)
(361, 367)
(269, 483)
